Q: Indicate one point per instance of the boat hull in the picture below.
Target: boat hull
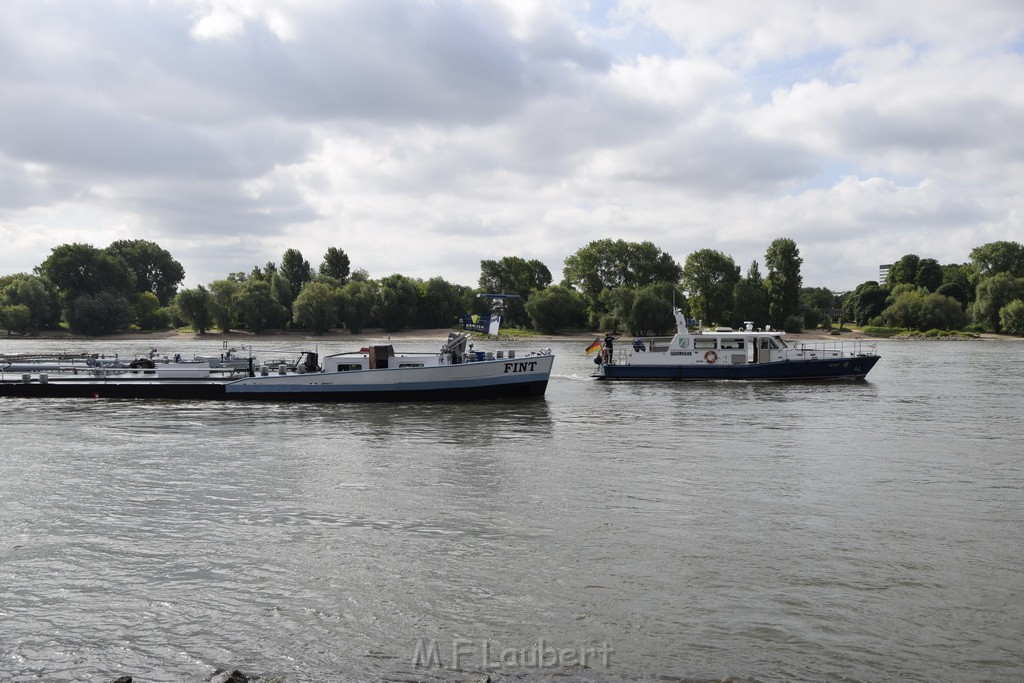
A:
(521, 379)
(87, 388)
(216, 392)
(832, 368)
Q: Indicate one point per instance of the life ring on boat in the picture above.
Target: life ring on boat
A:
(710, 356)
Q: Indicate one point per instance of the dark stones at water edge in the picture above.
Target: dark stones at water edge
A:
(235, 676)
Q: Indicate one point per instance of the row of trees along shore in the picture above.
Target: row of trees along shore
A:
(615, 285)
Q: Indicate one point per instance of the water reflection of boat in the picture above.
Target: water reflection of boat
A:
(374, 373)
(734, 354)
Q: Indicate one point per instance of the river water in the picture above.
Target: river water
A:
(854, 531)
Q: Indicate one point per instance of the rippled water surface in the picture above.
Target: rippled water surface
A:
(857, 531)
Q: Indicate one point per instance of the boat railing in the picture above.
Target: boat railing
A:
(832, 349)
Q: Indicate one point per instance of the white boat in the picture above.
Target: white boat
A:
(725, 353)
(375, 373)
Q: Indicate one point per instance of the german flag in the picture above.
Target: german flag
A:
(596, 345)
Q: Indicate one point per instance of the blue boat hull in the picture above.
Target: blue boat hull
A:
(841, 368)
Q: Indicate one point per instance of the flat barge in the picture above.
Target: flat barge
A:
(372, 374)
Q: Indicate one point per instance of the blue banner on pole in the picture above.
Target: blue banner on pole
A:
(485, 324)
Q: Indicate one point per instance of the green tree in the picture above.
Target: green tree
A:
(865, 302)
(357, 299)
(317, 307)
(295, 269)
(281, 290)
(256, 307)
(514, 275)
(222, 300)
(793, 323)
(651, 312)
(609, 264)
(335, 264)
(194, 307)
(997, 257)
(940, 312)
(954, 291)
(100, 313)
(395, 305)
(710, 277)
(555, 308)
(902, 289)
(155, 269)
(916, 310)
(929, 274)
(440, 303)
(76, 269)
(328, 280)
(15, 318)
(148, 313)
(35, 294)
(815, 304)
(957, 282)
(784, 281)
(1011, 317)
(904, 271)
(750, 299)
(616, 305)
(993, 293)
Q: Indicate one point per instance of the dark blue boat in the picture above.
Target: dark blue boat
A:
(725, 353)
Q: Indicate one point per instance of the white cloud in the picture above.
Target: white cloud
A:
(422, 136)
(749, 32)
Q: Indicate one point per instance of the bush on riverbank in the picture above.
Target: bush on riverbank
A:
(903, 333)
(883, 332)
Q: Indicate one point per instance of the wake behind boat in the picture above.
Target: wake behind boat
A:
(372, 374)
(733, 354)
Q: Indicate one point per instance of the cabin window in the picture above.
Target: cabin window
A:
(410, 365)
(659, 344)
(732, 344)
(700, 344)
(345, 367)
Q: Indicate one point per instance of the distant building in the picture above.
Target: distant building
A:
(883, 273)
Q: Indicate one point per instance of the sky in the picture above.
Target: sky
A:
(422, 136)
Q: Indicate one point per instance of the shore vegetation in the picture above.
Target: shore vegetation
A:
(607, 285)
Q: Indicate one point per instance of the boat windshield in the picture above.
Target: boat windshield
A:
(780, 342)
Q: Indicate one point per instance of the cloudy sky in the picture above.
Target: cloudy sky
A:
(422, 136)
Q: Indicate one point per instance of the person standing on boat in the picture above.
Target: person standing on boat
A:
(607, 352)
